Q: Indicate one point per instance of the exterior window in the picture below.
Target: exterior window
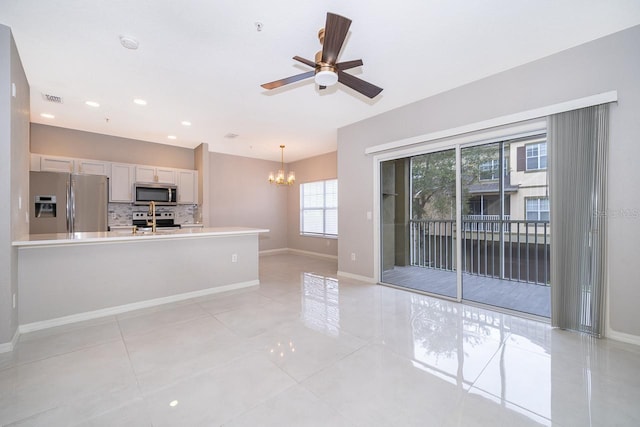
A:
(538, 209)
(319, 208)
(537, 156)
(489, 170)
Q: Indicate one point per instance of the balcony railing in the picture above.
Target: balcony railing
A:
(479, 222)
(516, 250)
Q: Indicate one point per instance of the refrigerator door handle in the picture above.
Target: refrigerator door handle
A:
(69, 206)
(72, 207)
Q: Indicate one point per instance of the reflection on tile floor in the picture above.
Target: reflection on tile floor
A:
(306, 348)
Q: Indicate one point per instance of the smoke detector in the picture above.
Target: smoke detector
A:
(129, 42)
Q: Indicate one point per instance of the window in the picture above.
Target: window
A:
(537, 209)
(537, 156)
(489, 170)
(319, 208)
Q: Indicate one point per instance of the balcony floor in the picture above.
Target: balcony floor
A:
(518, 296)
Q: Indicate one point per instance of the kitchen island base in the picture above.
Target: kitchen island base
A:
(74, 281)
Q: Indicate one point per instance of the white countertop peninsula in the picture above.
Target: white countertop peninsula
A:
(126, 235)
(65, 278)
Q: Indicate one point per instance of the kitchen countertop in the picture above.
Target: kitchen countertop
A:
(56, 239)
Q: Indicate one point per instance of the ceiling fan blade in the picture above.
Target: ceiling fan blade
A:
(359, 85)
(292, 79)
(349, 64)
(305, 61)
(335, 31)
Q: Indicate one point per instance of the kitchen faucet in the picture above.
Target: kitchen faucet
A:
(152, 212)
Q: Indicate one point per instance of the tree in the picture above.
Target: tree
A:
(433, 178)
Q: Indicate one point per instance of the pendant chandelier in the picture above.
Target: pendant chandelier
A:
(279, 178)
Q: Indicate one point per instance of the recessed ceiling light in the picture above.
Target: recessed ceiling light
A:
(129, 42)
(171, 137)
(48, 116)
(140, 101)
(92, 104)
(185, 123)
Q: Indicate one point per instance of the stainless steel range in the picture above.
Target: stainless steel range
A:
(164, 220)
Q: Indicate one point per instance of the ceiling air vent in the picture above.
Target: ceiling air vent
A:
(52, 98)
(231, 135)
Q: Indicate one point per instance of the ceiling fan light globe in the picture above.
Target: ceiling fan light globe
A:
(326, 78)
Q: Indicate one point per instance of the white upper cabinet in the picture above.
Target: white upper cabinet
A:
(92, 167)
(154, 174)
(187, 187)
(166, 175)
(121, 183)
(44, 163)
(145, 174)
(122, 176)
(56, 164)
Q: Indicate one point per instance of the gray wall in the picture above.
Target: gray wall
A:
(316, 168)
(14, 176)
(57, 141)
(240, 195)
(609, 63)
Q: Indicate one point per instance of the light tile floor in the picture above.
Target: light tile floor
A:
(307, 349)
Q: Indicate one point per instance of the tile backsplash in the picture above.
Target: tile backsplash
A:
(122, 213)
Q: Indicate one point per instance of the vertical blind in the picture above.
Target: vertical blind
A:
(319, 208)
(578, 151)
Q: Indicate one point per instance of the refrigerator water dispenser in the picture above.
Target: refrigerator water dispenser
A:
(45, 206)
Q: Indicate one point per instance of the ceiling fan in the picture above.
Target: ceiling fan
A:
(326, 71)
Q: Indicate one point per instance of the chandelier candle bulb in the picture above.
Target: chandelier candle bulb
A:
(279, 178)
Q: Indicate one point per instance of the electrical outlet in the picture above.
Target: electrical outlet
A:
(113, 215)
(234, 257)
(353, 256)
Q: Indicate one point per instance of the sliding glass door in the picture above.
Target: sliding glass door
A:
(505, 225)
(418, 204)
(502, 245)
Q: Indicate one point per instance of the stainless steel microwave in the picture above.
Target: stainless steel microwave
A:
(162, 194)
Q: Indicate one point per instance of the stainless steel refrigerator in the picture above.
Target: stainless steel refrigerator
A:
(67, 203)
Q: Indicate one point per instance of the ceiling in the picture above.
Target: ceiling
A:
(203, 61)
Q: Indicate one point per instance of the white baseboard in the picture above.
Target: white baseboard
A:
(356, 277)
(296, 251)
(621, 336)
(9, 346)
(44, 324)
(314, 254)
(268, 252)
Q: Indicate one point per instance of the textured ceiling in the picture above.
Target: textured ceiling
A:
(203, 61)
